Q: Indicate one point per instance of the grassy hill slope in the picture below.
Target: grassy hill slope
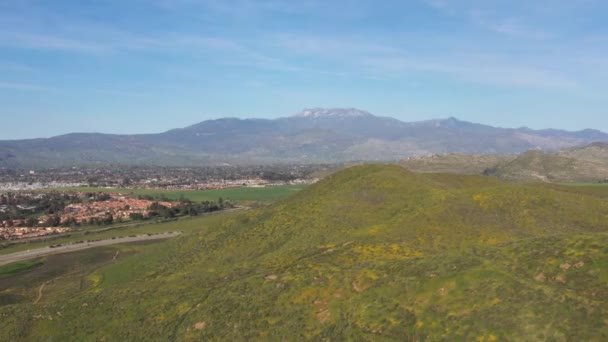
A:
(454, 163)
(594, 153)
(581, 164)
(372, 252)
(549, 167)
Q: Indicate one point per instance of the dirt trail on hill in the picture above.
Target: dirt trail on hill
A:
(42, 288)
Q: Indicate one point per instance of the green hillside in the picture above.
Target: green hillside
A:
(467, 164)
(372, 252)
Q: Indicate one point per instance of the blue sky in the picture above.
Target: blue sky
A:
(136, 66)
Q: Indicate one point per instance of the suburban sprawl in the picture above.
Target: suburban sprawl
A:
(36, 203)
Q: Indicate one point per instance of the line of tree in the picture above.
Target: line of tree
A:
(184, 208)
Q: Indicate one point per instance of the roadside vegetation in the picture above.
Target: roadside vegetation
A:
(19, 267)
(184, 224)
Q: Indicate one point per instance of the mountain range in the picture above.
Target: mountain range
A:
(313, 135)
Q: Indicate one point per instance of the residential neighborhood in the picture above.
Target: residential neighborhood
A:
(54, 213)
(35, 203)
(13, 233)
(119, 207)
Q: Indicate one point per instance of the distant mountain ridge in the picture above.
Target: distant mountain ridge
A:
(312, 135)
(580, 164)
(549, 167)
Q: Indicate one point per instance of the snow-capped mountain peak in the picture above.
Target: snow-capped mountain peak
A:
(332, 112)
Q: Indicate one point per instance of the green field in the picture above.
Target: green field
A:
(266, 194)
(371, 253)
(19, 267)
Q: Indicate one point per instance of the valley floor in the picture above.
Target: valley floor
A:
(41, 252)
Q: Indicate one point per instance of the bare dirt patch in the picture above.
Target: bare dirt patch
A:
(323, 313)
(357, 287)
(323, 316)
(540, 277)
(271, 277)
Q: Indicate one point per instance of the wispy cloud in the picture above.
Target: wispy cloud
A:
(13, 66)
(331, 46)
(484, 15)
(94, 40)
(356, 54)
(507, 26)
(386, 61)
(121, 93)
(363, 58)
(23, 86)
(438, 4)
(48, 42)
(241, 7)
(497, 74)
